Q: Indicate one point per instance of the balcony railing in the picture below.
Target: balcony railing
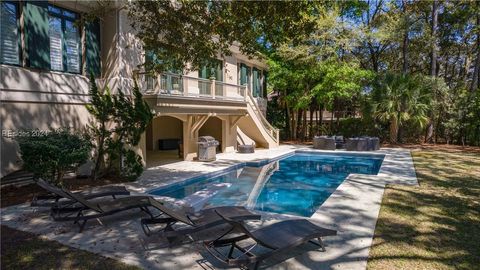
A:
(169, 84)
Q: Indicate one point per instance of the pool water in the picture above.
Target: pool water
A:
(295, 185)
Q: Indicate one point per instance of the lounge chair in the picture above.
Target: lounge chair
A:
(93, 209)
(279, 237)
(202, 220)
(97, 209)
(58, 198)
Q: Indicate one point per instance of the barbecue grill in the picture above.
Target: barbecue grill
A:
(207, 148)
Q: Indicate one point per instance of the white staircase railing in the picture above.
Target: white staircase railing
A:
(272, 131)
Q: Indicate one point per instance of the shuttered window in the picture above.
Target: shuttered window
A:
(265, 79)
(244, 77)
(65, 42)
(93, 48)
(9, 47)
(56, 44)
(257, 85)
(213, 70)
(72, 45)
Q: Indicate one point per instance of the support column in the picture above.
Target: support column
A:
(190, 135)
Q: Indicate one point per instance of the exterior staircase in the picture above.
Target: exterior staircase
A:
(256, 127)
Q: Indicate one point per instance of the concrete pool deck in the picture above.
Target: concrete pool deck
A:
(352, 210)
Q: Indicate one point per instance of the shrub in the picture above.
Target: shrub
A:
(119, 122)
(50, 155)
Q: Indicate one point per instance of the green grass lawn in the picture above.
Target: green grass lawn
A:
(437, 224)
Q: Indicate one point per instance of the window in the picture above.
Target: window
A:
(244, 77)
(257, 83)
(65, 43)
(214, 70)
(10, 45)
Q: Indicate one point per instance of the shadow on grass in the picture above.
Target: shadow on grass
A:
(435, 225)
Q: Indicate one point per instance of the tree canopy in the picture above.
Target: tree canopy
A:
(363, 61)
(181, 32)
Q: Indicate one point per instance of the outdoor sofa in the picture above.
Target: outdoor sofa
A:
(363, 144)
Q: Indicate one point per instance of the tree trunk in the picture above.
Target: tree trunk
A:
(405, 40)
(373, 57)
(433, 62)
(299, 124)
(476, 71)
(393, 130)
(312, 108)
(100, 153)
(292, 125)
(433, 59)
(331, 120)
(287, 123)
(304, 126)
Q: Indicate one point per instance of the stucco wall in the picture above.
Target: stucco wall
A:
(166, 127)
(43, 116)
(45, 99)
(213, 127)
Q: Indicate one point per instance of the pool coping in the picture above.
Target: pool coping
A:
(260, 163)
(352, 210)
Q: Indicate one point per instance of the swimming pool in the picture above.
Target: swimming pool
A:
(295, 185)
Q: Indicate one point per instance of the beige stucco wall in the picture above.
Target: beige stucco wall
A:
(165, 127)
(213, 127)
(47, 99)
(16, 116)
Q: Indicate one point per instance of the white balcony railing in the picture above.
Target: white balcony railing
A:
(170, 84)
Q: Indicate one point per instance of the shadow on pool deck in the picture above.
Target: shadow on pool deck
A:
(352, 210)
(435, 225)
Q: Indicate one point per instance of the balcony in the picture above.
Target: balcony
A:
(175, 85)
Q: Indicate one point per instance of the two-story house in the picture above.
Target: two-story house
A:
(47, 52)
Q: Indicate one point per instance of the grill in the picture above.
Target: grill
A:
(207, 146)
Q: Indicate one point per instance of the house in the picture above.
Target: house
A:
(47, 52)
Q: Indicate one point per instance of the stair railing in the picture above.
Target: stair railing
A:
(272, 131)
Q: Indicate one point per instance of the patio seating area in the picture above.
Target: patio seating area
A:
(350, 144)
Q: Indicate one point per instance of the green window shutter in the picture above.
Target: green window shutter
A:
(243, 74)
(203, 72)
(219, 71)
(93, 48)
(36, 34)
(9, 31)
(256, 82)
(265, 78)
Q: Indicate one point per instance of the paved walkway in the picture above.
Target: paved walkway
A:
(352, 210)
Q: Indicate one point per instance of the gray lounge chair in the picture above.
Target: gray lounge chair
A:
(57, 198)
(204, 219)
(97, 209)
(277, 238)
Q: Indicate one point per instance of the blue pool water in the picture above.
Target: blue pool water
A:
(296, 185)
